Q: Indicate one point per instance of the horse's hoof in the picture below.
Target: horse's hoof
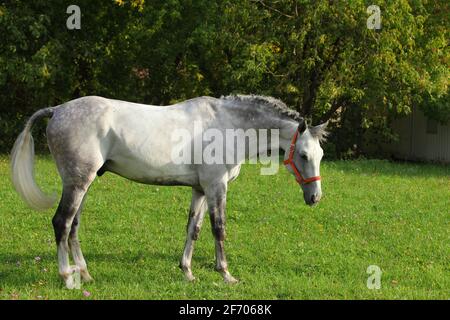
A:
(229, 279)
(85, 276)
(71, 278)
(189, 277)
(70, 282)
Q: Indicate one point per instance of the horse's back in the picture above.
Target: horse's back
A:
(90, 109)
(133, 140)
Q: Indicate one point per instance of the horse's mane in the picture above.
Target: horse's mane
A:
(257, 100)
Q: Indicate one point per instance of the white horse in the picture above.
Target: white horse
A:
(91, 135)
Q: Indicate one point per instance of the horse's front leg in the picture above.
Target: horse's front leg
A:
(216, 197)
(196, 214)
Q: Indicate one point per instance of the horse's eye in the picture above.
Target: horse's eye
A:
(304, 157)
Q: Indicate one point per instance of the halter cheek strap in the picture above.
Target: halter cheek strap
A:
(290, 162)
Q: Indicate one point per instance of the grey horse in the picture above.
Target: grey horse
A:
(91, 135)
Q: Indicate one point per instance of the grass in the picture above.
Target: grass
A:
(392, 215)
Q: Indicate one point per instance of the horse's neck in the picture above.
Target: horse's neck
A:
(287, 131)
(285, 127)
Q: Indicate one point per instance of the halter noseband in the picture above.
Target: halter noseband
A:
(290, 162)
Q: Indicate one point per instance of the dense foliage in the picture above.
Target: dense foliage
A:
(317, 56)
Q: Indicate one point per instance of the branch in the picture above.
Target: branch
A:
(274, 9)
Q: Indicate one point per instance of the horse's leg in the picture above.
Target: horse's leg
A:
(216, 197)
(74, 245)
(196, 214)
(71, 199)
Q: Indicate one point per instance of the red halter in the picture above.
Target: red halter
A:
(290, 162)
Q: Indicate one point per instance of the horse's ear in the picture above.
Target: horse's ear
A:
(302, 126)
(319, 131)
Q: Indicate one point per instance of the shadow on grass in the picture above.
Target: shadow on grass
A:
(15, 275)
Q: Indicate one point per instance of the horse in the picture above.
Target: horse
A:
(92, 135)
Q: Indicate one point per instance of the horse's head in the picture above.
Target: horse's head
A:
(303, 160)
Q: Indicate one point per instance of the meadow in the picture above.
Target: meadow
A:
(392, 215)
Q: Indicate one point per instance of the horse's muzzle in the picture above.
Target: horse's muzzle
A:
(313, 199)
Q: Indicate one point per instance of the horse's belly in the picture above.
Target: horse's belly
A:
(144, 172)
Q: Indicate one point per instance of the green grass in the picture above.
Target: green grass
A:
(392, 215)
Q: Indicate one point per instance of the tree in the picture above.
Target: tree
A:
(317, 56)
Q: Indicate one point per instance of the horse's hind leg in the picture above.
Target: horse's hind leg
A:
(74, 245)
(196, 214)
(75, 185)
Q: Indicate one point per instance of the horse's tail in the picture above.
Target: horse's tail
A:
(22, 166)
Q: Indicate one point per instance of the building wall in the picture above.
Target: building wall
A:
(415, 143)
